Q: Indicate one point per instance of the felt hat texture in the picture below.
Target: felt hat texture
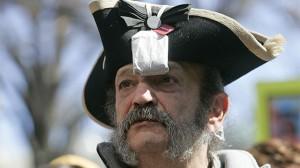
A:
(199, 36)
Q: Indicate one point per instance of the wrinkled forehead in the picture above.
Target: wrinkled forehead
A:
(129, 70)
(183, 70)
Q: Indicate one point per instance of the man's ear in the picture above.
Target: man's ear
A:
(219, 108)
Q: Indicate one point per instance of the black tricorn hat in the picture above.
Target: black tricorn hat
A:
(198, 35)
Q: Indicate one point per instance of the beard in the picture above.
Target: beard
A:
(184, 137)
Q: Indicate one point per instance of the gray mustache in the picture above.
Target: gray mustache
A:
(146, 113)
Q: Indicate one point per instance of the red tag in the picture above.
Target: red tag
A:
(164, 29)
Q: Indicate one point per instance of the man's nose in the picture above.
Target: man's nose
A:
(144, 94)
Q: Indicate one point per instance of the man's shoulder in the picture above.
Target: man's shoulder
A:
(230, 158)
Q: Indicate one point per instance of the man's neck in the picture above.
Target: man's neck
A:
(199, 159)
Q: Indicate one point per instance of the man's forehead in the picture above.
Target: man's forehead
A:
(128, 69)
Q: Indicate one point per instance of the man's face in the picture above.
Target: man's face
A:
(171, 100)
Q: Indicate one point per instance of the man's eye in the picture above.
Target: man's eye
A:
(165, 79)
(125, 84)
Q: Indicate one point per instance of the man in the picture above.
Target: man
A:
(160, 83)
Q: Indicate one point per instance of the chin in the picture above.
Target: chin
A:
(147, 140)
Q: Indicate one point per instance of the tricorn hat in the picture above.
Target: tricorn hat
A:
(148, 35)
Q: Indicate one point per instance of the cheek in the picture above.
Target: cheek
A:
(171, 103)
(181, 105)
(123, 105)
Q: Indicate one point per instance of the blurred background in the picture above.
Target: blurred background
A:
(48, 47)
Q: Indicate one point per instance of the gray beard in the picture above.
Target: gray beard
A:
(184, 137)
